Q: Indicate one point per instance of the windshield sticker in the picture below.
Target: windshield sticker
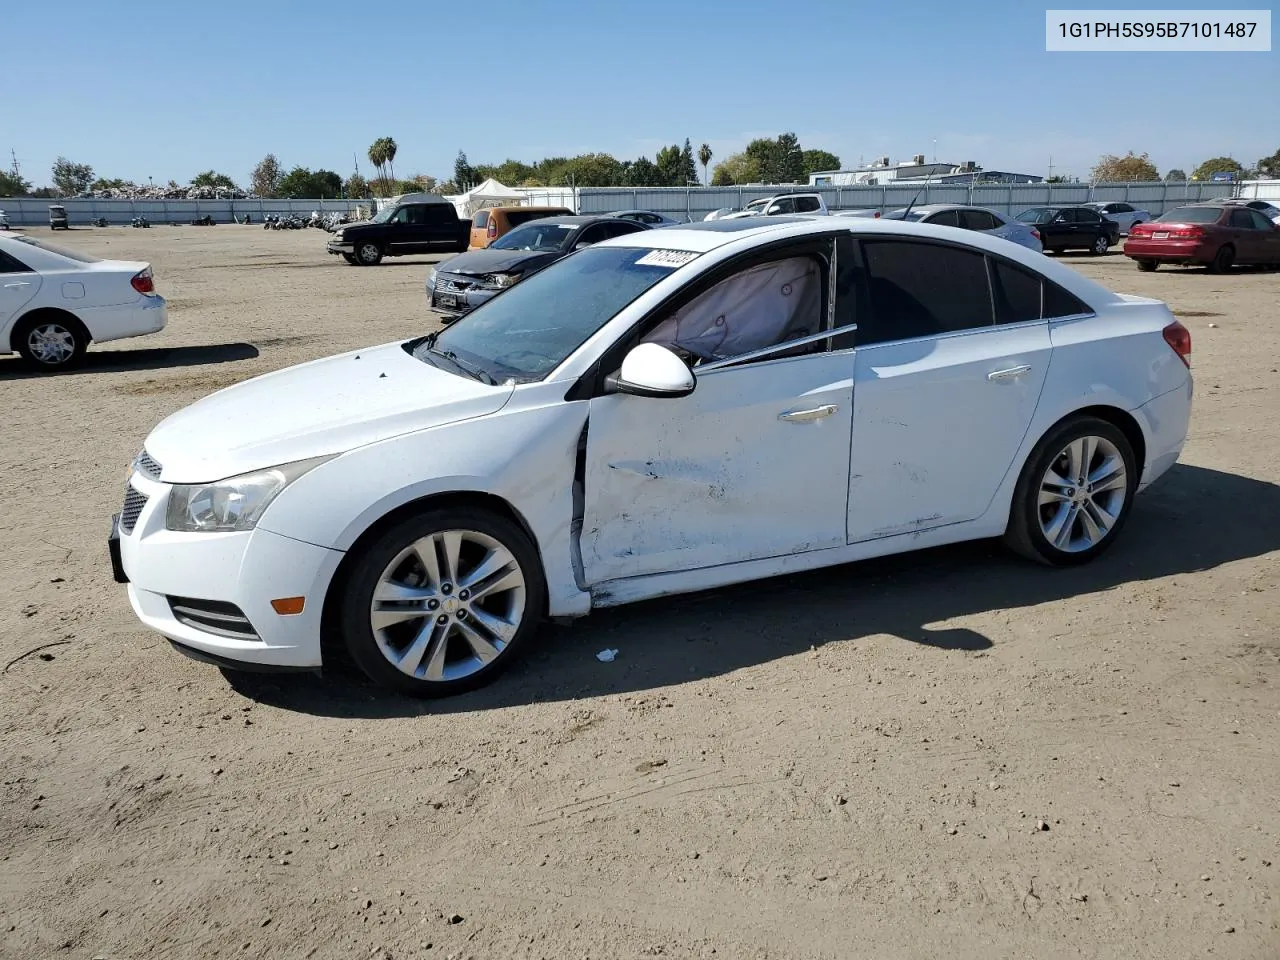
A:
(666, 258)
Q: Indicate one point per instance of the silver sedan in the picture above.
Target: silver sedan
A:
(979, 219)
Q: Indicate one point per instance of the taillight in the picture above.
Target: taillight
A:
(1186, 233)
(1179, 338)
(143, 282)
(1035, 233)
(492, 232)
(877, 216)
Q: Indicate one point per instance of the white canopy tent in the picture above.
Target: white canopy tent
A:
(491, 193)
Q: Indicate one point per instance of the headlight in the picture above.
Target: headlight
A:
(337, 234)
(232, 504)
(431, 279)
(501, 280)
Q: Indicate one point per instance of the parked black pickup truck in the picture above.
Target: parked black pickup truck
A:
(416, 223)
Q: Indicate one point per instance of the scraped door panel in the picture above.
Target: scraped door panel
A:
(754, 463)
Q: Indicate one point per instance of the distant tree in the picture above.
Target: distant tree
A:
(114, 184)
(389, 147)
(356, 187)
(765, 154)
(377, 155)
(464, 175)
(790, 159)
(1176, 175)
(13, 185)
(1269, 167)
(669, 165)
(211, 178)
(688, 168)
(307, 184)
(425, 182)
(265, 179)
(447, 188)
(643, 172)
(1217, 165)
(819, 160)
(71, 178)
(1126, 169)
(45, 193)
(512, 171)
(736, 169)
(704, 158)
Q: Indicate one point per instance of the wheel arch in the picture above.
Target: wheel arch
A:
(35, 314)
(332, 649)
(1121, 419)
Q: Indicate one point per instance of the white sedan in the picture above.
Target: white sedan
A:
(1125, 214)
(663, 412)
(55, 302)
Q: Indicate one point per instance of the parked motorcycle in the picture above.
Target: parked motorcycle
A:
(141, 222)
(99, 221)
(205, 221)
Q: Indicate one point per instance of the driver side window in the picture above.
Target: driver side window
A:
(762, 306)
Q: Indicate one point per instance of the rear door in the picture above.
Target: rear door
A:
(1248, 241)
(950, 361)
(18, 285)
(1268, 238)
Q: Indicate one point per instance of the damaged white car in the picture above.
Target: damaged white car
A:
(662, 412)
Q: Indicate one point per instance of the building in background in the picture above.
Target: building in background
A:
(915, 170)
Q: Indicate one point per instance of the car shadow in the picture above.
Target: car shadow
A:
(152, 358)
(696, 636)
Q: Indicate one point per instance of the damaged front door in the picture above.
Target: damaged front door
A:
(754, 463)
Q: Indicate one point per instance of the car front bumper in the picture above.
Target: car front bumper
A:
(457, 294)
(341, 246)
(170, 572)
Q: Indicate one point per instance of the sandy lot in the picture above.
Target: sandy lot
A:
(851, 763)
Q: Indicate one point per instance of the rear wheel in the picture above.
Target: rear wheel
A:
(441, 602)
(1223, 259)
(369, 254)
(1100, 245)
(1074, 493)
(51, 342)
(1148, 266)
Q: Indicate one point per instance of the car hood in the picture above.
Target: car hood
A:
(324, 407)
(488, 260)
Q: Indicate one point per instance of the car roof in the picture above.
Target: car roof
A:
(519, 207)
(580, 219)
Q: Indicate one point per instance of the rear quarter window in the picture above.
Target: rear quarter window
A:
(480, 220)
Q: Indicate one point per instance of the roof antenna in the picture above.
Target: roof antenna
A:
(906, 213)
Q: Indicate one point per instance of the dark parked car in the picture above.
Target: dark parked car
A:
(417, 223)
(1072, 228)
(645, 216)
(1217, 235)
(466, 281)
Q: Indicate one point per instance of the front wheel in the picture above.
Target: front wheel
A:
(441, 602)
(1148, 266)
(368, 254)
(1074, 494)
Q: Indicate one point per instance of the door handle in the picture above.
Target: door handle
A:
(808, 416)
(22, 283)
(1011, 373)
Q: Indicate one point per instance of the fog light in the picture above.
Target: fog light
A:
(288, 606)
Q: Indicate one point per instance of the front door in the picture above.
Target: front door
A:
(755, 462)
(948, 371)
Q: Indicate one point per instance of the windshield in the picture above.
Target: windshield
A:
(1191, 215)
(534, 236)
(756, 204)
(75, 255)
(1035, 215)
(530, 329)
(383, 215)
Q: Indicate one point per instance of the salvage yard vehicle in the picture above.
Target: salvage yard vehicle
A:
(1125, 214)
(55, 302)
(647, 217)
(1268, 210)
(1072, 228)
(416, 223)
(58, 217)
(668, 411)
(1216, 235)
(493, 222)
(4, 220)
(782, 205)
(966, 218)
(472, 278)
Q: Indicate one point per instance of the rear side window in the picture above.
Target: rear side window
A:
(1242, 219)
(621, 229)
(1059, 302)
(439, 213)
(480, 220)
(947, 218)
(807, 204)
(1016, 292)
(977, 220)
(10, 265)
(517, 217)
(923, 289)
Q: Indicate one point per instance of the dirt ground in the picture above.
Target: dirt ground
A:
(952, 753)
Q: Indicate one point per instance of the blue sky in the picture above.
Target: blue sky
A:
(162, 89)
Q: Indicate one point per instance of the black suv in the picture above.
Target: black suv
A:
(1072, 228)
(416, 223)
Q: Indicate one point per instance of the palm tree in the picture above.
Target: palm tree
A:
(378, 157)
(389, 148)
(704, 158)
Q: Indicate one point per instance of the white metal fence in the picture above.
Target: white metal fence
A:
(30, 212)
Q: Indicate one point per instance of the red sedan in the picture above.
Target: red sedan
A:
(1216, 235)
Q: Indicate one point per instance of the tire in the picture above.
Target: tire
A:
(1223, 260)
(436, 639)
(368, 254)
(1148, 266)
(1069, 528)
(51, 341)
(1101, 244)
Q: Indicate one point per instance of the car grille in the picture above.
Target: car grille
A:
(213, 616)
(453, 285)
(147, 465)
(133, 504)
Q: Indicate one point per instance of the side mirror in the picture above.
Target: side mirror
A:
(651, 370)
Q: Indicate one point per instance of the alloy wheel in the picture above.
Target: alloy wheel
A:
(51, 343)
(1082, 494)
(448, 605)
